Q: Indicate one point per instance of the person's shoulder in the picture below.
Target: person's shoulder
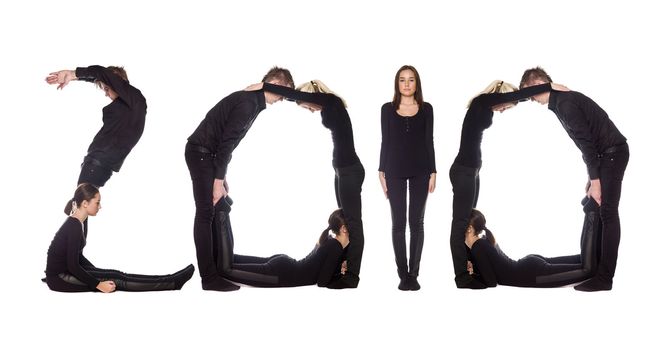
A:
(427, 107)
(388, 107)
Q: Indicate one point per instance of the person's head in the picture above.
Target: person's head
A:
(477, 226)
(337, 225)
(277, 76)
(108, 91)
(86, 201)
(407, 84)
(315, 86)
(536, 76)
(498, 86)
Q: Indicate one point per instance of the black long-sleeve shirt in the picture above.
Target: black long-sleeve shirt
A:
(479, 117)
(407, 142)
(334, 117)
(587, 124)
(123, 119)
(65, 254)
(226, 124)
(320, 265)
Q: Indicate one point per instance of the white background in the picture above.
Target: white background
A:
(185, 58)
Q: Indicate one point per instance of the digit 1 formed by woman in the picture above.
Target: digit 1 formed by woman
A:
(67, 270)
(464, 172)
(407, 160)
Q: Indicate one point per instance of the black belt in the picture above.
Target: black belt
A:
(196, 148)
(617, 148)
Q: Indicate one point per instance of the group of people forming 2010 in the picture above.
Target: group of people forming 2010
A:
(407, 174)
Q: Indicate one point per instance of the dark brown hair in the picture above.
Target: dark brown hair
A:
(397, 91)
(478, 223)
(282, 74)
(336, 221)
(530, 75)
(83, 192)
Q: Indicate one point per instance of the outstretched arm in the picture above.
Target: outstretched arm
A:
(62, 78)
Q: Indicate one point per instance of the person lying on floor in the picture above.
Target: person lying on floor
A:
(492, 267)
(322, 266)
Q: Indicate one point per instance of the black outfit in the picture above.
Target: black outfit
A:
(123, 119)
(350, 172)
(497, 268)
(207, 154)
(464, 172)
(407, 157)
(67, 270)
(494, 267)
(606, 155)
(319, 267)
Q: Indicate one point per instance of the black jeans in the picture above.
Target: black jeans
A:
(202, 173)
(128, 282)
(465, 185)
(612, 169)
(396, 191)
(347, 184)
(94, 172)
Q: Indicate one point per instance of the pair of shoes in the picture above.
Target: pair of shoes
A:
(346, 281)
(468, 281)
(412, 283)
(183, 276)
(219, 284)
(594, 284)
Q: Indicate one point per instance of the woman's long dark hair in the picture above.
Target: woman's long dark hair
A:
(336, 221)
(396, 102)
(84, 192)
(478, 223)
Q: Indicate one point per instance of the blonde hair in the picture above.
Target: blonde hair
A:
(497, 86)
(315, 86)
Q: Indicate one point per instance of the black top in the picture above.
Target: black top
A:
(479, 117)
(320, 265)
(334, 117)
(123, 119)
(407, 142)
(497, 268)
(65, 253)
(226, 124)
(587, 124)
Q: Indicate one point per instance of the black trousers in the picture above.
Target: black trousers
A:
(465, 188)
(202, 173)
(612, 169)
(397, 193)
(347, 184)
(94, 172)
(532, 266)
(128, 282)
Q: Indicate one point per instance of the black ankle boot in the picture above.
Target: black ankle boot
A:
(183, 276)
(412, 283)
(219, 284)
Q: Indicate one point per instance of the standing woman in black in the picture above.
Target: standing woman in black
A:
(67, 270)
(350, 173)
(464, 172)
(407, 159)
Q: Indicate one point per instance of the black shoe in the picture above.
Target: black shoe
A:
(469, 282)
(594, 284)
(219, 284)
(183, 276)
(346, 281)
(412, 283)
(403, 285)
